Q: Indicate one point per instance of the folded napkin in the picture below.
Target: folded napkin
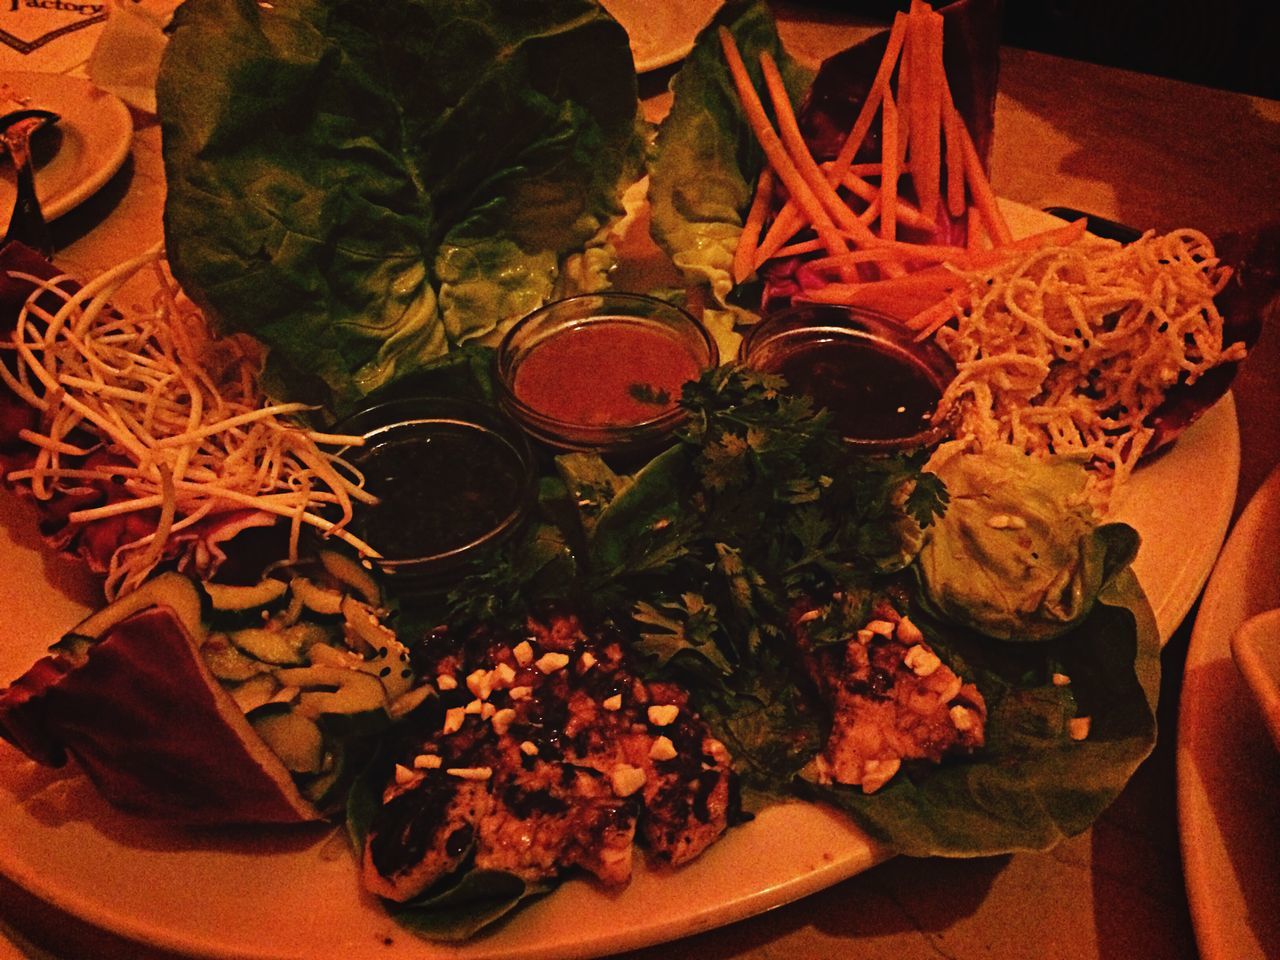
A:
(115, 43)
(49, 36)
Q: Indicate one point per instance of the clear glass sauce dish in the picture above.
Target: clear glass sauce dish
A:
(453, 477)
(602, 372)
(881, 387)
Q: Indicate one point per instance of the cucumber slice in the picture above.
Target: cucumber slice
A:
(317, 599)
(327, 689)
(286, 647)
(172, 590)
(254, 692)
(349, 572)
(234, 606)
(384, 655)
(226, 662)
(292, 737)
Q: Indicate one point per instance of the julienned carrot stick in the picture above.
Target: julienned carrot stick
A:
(773, 149)
(925, 252)
(785, 225)
(984, 197)
(798, 150)
(907, 214)
(954, 154)
(973, 228)
(862, 125)
(796, 249)
(928, 320)
(926, 108)
(744, 255)
(889, 158)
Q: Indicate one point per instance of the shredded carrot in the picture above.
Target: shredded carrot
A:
(889, 179)
(774, 150)
(798, 150)
(745, 254)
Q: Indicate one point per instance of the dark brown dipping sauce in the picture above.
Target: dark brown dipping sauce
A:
(442, 485)
(874, 392)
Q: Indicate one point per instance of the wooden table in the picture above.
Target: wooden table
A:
(1141, 150)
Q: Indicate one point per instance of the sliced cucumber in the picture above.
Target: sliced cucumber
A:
(318, 600)
(327, 689)
(234, 606)
(254, 692)
(286, 647)
(349, 572)
(226, 661)
(172, 590)
(292, 737)
(73, 646)
(384, 655)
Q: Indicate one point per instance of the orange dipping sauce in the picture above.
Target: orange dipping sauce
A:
(612, 371)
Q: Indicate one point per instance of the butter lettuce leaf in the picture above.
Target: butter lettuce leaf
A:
(1019, 555)
(1032, 784)
(364, 187)
(706, 159)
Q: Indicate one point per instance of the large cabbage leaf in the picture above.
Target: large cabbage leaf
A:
(364, 186)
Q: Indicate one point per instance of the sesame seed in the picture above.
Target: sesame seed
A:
(426, 761)
(529, 748)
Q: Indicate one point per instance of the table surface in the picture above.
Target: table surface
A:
(1137, 149)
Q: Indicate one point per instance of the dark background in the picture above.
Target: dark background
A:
(1229, 44)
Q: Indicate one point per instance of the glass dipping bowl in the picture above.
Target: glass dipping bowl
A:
(603, 371)
(454, 477)
(881, 386)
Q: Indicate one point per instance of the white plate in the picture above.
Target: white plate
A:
(662, 32)
(96, 130)
(277, 894)
(1228, 768)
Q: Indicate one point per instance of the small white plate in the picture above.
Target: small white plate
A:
(95, 132)
(662, 32)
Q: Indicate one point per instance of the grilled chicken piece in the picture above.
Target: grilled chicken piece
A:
(549, 754)
(891, 699)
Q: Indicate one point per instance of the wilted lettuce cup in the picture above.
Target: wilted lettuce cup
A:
(1019, 554)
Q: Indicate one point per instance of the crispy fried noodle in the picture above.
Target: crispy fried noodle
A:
(1070, 348)
(186, 430)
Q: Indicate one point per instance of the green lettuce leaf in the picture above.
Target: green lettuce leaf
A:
(1032, 785)
(706, 159)
(363, 187)
(1018, 555)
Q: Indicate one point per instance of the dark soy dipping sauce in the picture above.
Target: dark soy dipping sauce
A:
(441, 486)
(874, 392)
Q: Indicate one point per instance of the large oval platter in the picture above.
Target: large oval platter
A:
(295, 894)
